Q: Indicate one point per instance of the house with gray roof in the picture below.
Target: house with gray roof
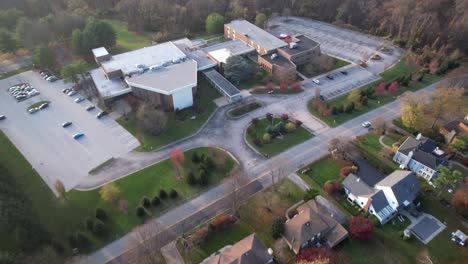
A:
(386, 197)
(420, 155)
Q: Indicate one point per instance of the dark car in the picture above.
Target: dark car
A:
(322, 98)
(101, 114)
(344, 72)
(78, 135)
(66, 124)
(330, 77)
(89, 108)
(2, 117)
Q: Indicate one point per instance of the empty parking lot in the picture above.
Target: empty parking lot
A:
(49, 147)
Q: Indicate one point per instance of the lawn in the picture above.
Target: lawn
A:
(257, 79)
(277, 145)
(128, 40)
(388, 141)
(180, 125)
(373, 152)
(323, 170)
(62, 218)
(401, 68)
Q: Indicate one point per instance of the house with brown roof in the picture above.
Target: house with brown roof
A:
(312, 225)
(247, 251)
(454, 129)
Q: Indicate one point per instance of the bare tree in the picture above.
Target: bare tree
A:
(276, 175)
(237, 179)
(148, 239)
(379, 124)
(340, 148)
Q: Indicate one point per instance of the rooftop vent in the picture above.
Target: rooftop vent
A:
(293, 45)
(274, 56)
(438, 151)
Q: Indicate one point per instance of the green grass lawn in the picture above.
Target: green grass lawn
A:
(372, 151)
(388, 141)
(255, 80)
(277, 145)
(128, 40)
(401, 68)
(62, 218)
(370, 142)
(178, 128)
(324, 170)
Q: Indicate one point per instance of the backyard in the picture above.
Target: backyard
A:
(399, 70)
(63, 217)
(180, 125)
(256, 136)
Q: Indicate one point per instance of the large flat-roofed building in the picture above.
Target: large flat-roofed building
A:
(222, 51)
(161, 74)
(262, 41)
(300, 50)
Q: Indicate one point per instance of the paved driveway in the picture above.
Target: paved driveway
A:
(49, 148)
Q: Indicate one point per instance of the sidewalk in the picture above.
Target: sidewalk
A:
(171, 254)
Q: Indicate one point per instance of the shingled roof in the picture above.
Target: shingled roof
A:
(404, 185)
(422, 151)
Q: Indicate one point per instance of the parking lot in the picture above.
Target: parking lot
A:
(342, 43)
(48, 146)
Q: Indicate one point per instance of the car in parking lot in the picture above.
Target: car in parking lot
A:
(71, 93)
(89, 108)
(316, 81)
(366, 124)
(330, 77)
(67, 124)
(78, 135)
(52, 78)
(66, 90)
(2, 117)
(101, 114)
(322, 98)
(33, 110)
(44, 105)
(79, 99)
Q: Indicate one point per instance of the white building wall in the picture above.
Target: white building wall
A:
(183, 98)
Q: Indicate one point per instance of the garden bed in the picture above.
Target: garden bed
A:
(278, 139)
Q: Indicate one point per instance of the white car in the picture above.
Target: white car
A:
(33, 110)
(71, 93)
(316, 81)
(366, 124)
(79, 99)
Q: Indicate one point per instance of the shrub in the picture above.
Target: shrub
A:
(331, 187)
(191, 179)
(296, 86)
(140, 212)
(310, 194)
(82, 241)
(255, 121)
(284, 117)
(156, 201)
(349, 108)
(266, 138)
(361, 228)
(222, 222)
(162, 194)
(204, 177)
(298, 123)
(269, 116)
(345, 171)
(195, 158)
(257, 142)
(57, 246)
(340, 109)
(145, 202)
(208, 163)
(277, 228)
(101, 214)
(88, 223)
(290, 127)
(98, 228)
(173, 194)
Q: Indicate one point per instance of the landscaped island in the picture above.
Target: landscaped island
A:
(273, 135)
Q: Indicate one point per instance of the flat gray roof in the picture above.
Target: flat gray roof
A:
(98, 52)
(108, 88)
(222, 51)
(148, 56)
(256, 34)
(222, 83)
(303, 44)
(167, 80)
(192, 51)
(279, 60)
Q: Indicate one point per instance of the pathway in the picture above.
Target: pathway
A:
(171, 254)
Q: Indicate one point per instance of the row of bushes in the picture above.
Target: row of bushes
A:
(80, 239)
(145, 203)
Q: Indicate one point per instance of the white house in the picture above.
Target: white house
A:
(421, 156)
(386, 197)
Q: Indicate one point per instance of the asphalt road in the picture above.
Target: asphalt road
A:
(48, 147)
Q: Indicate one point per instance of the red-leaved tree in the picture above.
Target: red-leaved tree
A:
(283, 86)
(178, 160)
(313, 254)
(269, 116)
(296, 86)
(270, 86)
(380, 88)
(284, 117)
(460, 200)
(361, 228)
(393, 87)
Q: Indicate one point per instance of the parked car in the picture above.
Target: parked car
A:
(101, 114)
(50, 78)
(47, 75)
(322, 98)
(344, 72)
(2, 117)
(330, 77)
(79, 99)
(66, 90)
(53, 79)
(66, 124)
(33, 110)
(89, 108)
(71, 93)
(366, 124)
(42, 73)
(316, 81)
(78, 135)
(44, 105)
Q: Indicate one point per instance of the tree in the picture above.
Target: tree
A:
(204, 177)
(237, 179)
(162, 194)
(173, 194)
(74, 71)
(101, 214)
(60, 188)
(191, 179)
(354, 97)
(260, 20)
(151, 120)
(88, 223)
(361, 228)
(9, 18)
(446, 102)
(82, 240)
(339, 148)
(156, 201)
(45, 57)
(32, 34)
(393, 87)
(98, 228)
(214, 23)
(237, 69)
(140, 212)
(110, 192)
(8, 43)
(460, 200)
(460, 144)
(412, 110)
(331, 187)
(277, 228)
(178, 161)
(380, 89)
(446, 178)
(145, 202)
(96, 33)
(316, 255)
(77, 42)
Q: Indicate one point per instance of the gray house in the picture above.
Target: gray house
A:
(421, 156)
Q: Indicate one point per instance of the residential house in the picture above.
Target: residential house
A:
(454, 129)
(247, 251)
(420, 155)
(384, 199)
(312, 225)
